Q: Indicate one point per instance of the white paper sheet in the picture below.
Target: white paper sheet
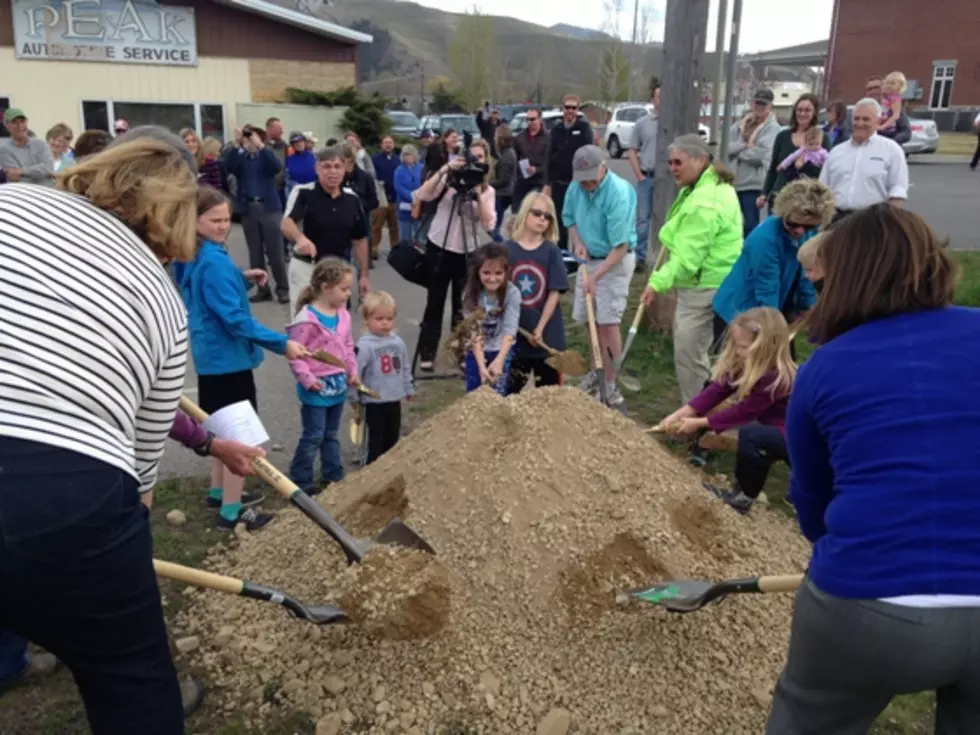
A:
(524, 165)
(238, 422)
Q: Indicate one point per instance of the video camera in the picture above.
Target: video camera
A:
(469, 176)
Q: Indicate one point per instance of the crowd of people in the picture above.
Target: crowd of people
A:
(877, 425)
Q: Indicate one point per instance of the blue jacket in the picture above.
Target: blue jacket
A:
(407, 180)
(881, 430)
(764, 274)
(384, 171)
(300, 169)
(225, 338)
(258, 173)
(606, 218)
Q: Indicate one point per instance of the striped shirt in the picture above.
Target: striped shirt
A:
(93, 335)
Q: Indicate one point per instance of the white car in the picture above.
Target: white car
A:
(619, 130)
(549, 118)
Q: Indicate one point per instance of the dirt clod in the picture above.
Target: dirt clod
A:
(542, 507)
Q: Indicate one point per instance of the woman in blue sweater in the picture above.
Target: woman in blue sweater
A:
(226, 343)
(882, 431)
(767, 273)
(408, 178)
(300, 162)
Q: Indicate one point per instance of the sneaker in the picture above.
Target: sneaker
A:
(252, 519)
(614, 399)
(734, 498)
(698, 456)
(248, 500)
(283, 298)
(590, 383)
(192, 693)
(263, 294)
(427, 366)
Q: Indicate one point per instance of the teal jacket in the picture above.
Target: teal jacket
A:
(225, 337)
(765, 274)
(605, 218)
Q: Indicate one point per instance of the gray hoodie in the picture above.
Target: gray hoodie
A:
(751, 163)
(384, 366)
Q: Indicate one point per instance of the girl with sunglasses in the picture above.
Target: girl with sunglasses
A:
(538, 271)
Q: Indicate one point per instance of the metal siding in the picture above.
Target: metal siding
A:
(880, 36)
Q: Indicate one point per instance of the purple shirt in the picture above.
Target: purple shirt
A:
(758, 406)
(187, 431)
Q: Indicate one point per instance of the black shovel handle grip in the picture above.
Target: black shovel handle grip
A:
(318, 514)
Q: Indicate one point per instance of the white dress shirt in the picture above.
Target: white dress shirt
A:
(862, 174)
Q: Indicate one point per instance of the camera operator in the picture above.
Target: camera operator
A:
(463, 198)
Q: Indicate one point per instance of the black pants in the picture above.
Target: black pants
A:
(384, 425)
(448, 272)
(759, 448)
(976, 154)
(76, 570)
(558, 191)
(521, 369)
(523, 187)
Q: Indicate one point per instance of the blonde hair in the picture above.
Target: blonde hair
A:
(897, 76)
(808, 254)
(805, 199)
(146, 183)
(199, 156)
(327, 274)
(211, 146)
(769, 351)
(517, 226)
(375, 300)
(813, 135)
(485, 147)
(59, 131)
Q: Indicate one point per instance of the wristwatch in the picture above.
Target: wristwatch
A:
(204, 448)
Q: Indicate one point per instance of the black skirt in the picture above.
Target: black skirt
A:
(214, 392)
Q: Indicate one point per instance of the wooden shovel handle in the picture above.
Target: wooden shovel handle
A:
(593, 331)
(782, 583)
(197, 577)
(637, 318)
(530, 338)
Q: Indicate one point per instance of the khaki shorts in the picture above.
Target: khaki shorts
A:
(611, 293)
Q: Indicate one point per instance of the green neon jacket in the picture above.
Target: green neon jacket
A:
(702, 234)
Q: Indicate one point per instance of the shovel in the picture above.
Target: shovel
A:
(630, 382)
(597, 364)
(568, 362)
(316, 614)
(395, 533)
(331, 359)
(689, 595)
(357, 425)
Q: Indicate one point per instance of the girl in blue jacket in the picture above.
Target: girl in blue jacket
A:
(408, 178)
(226, 343)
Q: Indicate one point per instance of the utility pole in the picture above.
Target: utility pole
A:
(685, 29)
(730, 79)
(716, 96)
(636, 20)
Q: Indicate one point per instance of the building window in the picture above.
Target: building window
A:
(942, 84)
(207, 119)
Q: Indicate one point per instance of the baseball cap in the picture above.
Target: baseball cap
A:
(586, 163)
(120, 126)
(12, 114)
(763, 95)
(296, 137)
(426, 133)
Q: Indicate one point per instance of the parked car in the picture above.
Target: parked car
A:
(458, 122)
(549, 118)
(619, 129)
(403, 123)
(925, 133)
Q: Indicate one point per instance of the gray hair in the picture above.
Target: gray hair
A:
(869, 102)
(163, 135)
(691, 144)
(409, 150)
(330, 153)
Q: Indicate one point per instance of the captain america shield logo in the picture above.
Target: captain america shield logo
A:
(530, 279)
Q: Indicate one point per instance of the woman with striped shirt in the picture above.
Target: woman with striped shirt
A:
(93, 345)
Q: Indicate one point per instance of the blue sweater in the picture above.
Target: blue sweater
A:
(385, 166)
(764, 274)
(225, 338)
(407, 180)
(882, 429)
(256, 176)
(300, 169)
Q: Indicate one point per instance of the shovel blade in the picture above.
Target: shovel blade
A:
(630, 383)
(325, 615)
(680, 596)
(397, 533)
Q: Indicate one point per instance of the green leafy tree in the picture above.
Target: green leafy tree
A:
(446, 100)
(472, 58)
(339, 98)
(366, 117)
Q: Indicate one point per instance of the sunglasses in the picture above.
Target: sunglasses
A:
(791, 225)
(571, 107)
(541, 213)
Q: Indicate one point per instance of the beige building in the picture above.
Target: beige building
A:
(202, 64)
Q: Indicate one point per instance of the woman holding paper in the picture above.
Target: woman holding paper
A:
(227, 344)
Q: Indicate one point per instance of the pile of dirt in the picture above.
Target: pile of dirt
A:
(540, 506)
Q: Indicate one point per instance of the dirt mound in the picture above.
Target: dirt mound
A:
(540, 507)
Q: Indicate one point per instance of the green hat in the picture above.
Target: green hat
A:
(12, 114)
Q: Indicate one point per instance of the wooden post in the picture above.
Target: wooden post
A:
(685, 29)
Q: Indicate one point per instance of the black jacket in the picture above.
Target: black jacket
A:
(505, 173)
(362, 184)
(563, 144)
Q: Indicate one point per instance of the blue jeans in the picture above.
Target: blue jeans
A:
(472, 372)
(644, 213)
(76, 570)
(13, 656)
(503, 204)
(320, 427)
(407, 228)
(750, 212)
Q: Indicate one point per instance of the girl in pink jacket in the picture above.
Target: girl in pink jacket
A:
(322, 323)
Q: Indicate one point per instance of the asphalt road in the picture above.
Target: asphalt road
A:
(944, 191)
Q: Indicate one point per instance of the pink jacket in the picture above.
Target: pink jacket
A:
(308, 331)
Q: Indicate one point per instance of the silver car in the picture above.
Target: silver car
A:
(403, 123)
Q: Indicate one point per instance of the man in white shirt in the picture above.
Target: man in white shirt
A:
(867, 169)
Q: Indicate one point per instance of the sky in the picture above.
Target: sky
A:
(766, 24)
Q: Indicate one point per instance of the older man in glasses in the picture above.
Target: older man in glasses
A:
(572, 133)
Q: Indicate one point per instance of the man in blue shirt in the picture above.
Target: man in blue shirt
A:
(600, 214)
(385, 163)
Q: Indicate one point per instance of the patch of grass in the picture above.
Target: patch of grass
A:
(957, 144)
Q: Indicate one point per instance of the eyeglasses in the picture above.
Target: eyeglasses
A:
(674, 162)
(541, 213)
(571, 107)
(791, 225)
